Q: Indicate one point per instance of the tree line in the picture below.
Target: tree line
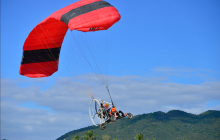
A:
(90, 136)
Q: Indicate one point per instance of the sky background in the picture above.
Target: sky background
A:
(164, 55)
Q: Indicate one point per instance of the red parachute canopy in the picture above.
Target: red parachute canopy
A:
(42, 47)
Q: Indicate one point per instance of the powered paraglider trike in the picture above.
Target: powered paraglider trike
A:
(102, 116)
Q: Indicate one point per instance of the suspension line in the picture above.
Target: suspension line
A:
(109, 94)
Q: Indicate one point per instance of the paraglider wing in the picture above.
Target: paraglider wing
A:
(42, 47)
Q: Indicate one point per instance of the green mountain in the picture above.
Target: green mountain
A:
(173, 125)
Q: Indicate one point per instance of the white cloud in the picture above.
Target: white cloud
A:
(28, 123)
(184, 72)
(133, 94)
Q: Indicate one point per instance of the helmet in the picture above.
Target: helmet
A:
(106, 104)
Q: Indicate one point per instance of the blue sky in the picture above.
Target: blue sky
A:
(164, 54)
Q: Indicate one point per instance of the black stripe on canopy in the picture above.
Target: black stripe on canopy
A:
(83, 9)
(41, 55)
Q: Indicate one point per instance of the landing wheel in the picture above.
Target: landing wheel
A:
(102, 126)
(130, 116)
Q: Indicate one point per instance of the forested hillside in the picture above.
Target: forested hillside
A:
(173, 125)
